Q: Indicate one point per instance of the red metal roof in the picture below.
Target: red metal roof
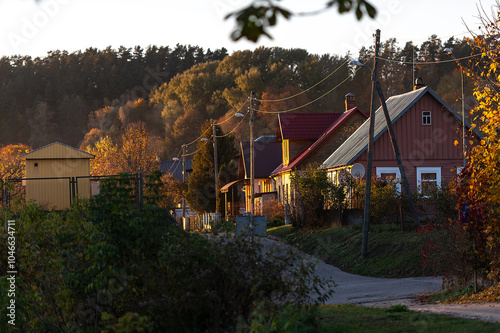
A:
(340, 120)
(305, 126)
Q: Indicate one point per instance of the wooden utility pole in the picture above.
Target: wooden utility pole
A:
(366, 216)
(216, 166)
(183, 178)
(395, 147)
(252, 176)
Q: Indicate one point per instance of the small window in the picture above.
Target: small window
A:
(429, 179)
(390, 174)
(426, 117)
(36, 164)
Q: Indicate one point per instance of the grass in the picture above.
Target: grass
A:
(352, 318)
(391, 253)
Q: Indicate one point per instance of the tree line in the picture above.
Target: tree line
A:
(84, 97)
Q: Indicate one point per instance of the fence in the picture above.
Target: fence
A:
(60, 192)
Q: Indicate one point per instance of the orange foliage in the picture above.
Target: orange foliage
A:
(11, 165)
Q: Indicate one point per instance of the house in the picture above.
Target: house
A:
(174, 167)
(426, 130)
(311, 138)
(267, 156)
(56, 173)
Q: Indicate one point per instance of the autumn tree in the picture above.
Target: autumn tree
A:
(201, 193)
(479, 184)
(138, 150)
(105, 161)
(12, 166)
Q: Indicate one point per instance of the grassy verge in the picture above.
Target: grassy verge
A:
(391, 253)
(352, 318)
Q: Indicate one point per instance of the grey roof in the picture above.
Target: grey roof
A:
(175, 167)
(397, 106)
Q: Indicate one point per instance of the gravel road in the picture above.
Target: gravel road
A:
(379, 292)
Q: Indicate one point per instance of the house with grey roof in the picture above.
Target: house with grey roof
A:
(429, 136)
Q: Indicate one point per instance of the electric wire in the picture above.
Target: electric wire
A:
(428, 62)
(310, 102)
(234, 114)
(234, 129)
(194, 152)
(304, 91)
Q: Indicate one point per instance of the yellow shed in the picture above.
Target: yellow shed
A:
(56, 173)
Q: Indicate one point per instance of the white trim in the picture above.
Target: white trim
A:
(421, 170)
(381, 170)
(427, 117)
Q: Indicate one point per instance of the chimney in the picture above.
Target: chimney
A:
(350, 101)
(419, 83)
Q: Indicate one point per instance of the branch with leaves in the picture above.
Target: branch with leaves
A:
(254, 21)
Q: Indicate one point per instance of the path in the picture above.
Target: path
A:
(380, 292)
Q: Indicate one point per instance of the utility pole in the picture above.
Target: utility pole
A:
(183, 178)
(366, 216)
(216, 166)
(252, 176)
(395, 147)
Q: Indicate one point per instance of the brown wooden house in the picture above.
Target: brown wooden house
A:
(427, 131)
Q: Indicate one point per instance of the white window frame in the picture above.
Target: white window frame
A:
(421, 170)
(381, 170)
(427, 117)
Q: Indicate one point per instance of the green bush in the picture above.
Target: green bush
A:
(109, 264)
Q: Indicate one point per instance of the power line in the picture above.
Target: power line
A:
(224, 135)
(308, 103)
(304, 91)
(427, 62)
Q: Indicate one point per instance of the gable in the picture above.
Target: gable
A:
(57, 150)
(329, 141)
(397, 106)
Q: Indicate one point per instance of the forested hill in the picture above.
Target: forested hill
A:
(81, 97)
(50, 98)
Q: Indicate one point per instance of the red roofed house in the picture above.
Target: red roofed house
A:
(311, 137)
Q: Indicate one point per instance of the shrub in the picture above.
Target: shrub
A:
(109, 264)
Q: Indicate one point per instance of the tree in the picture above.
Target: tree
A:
(11, 165)
(312, 190)
(201, 194)
(479, 184)
(105, 152)
(254, 20)
(138, 151)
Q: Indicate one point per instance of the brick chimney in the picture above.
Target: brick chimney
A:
(350, 101)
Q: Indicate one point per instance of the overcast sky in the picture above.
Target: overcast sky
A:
(33, 28)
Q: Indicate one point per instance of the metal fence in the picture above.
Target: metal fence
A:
(60, 191)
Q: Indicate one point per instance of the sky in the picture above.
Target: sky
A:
(30, 27)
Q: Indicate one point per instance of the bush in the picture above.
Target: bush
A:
(111, 265)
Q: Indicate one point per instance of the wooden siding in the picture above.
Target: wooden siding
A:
(421, 145)
(57, 161)
(56, 150)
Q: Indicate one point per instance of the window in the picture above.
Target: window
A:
(390, 173)
(428, 179)
(426, 117)
(36, 164)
